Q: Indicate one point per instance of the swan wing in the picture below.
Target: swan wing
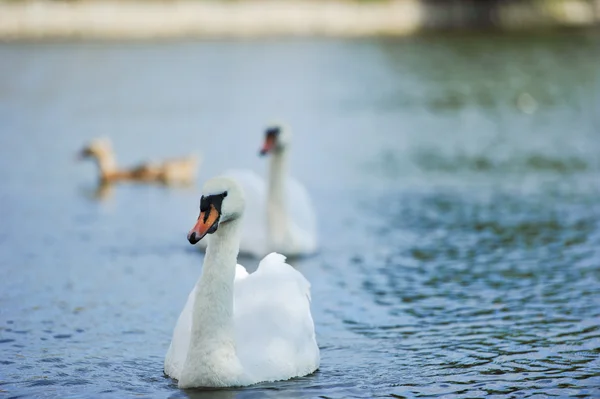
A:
(275, 333)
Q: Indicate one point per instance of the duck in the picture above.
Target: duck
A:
(171, 171)
(283, 218)
(239, 328)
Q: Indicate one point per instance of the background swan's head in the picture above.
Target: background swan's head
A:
(277, 138)
(222, 201)
(97, 148)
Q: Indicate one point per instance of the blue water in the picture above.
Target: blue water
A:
(456, 180)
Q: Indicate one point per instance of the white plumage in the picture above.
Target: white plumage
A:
(237, 328)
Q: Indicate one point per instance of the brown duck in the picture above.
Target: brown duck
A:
(170, 171)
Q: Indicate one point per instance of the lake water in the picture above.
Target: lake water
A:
(456, 179)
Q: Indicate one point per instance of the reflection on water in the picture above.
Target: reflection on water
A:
(456, 181)
(101, 191)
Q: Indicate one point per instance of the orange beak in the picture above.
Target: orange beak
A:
(268, 145)
(207, 224)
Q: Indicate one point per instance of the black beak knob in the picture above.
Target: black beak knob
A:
(192, 238)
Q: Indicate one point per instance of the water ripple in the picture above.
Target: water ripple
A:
(460, 231)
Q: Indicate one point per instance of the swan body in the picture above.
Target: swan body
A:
(170, 171)
(282, 218)
(236, 328)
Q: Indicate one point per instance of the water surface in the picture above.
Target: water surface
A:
(456, 179)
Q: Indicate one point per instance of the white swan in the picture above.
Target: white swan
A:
(237, 328)
(283, 218)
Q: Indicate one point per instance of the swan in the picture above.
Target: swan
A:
(283, 218)
(170, 171)
(238, 329)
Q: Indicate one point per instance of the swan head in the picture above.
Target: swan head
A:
(222, 201)
(97, 148)
(277, 138)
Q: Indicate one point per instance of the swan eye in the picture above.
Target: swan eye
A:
(216, 199)
(204, 203)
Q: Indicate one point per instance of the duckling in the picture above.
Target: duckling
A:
(170, 171)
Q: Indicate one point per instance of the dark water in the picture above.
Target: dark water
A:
(457, 182)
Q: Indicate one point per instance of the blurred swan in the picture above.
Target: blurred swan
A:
(236, 328)
(282, 217)
(172, 171)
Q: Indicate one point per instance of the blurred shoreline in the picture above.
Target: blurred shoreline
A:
(110, 19)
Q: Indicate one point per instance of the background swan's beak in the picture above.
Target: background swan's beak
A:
(207, 224)
(268, 145)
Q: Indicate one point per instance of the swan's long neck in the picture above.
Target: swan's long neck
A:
(213, 307)
(276, 209)
(211, 357)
